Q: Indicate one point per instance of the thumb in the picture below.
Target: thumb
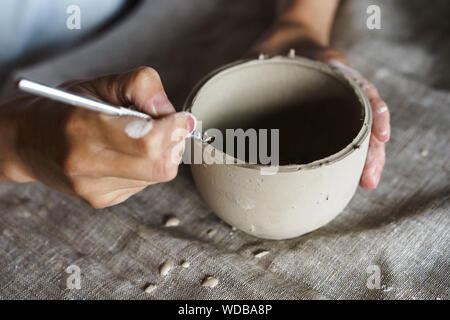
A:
(141, 87)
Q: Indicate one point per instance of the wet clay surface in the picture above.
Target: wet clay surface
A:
(308, 132)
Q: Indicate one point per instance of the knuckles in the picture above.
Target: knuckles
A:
(148, 147)
(75, 124)
(159, 171)
(97, 203)
(80, 188)
(85, 192)
(169, 172)
(93, 196)
(141, 78)
(71, 166)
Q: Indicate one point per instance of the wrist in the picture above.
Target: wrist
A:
(289, 34)
(302, 29)
(12, 168)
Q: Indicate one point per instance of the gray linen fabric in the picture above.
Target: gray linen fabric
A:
(402, 227)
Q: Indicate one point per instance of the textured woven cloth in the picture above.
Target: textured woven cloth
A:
(402, 227)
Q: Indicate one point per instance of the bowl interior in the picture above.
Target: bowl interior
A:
(318, 113)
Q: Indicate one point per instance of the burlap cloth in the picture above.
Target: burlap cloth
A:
(402, 227)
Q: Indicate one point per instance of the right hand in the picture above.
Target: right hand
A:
(100, 159)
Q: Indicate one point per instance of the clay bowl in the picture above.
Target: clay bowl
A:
(326, 120)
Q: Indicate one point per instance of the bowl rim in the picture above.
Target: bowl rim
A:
(331, 71)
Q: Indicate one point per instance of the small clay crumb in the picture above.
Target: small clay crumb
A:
(261, 253)
(211, 232)
(24, 214)
(424, 152)
(165, 268)
(150, 288)
(172, 222)
(291, 53)
(210, 282)
(386, 288)
(234, 228)
(185, 264)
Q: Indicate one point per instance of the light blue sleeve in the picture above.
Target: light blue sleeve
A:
(27, 26)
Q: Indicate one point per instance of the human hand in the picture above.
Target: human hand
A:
(285, 36)
(100, 159)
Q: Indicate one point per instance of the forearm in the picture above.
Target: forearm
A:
(300, 24)
(314, 17)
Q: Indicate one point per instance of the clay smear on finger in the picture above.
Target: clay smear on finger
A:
(137, 129)
(351, 73)
(375, 150)
(374, 174)
(382, 109)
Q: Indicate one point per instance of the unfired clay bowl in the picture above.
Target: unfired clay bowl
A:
(300, 197)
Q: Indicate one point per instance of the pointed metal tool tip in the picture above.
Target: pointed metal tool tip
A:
(198, 136)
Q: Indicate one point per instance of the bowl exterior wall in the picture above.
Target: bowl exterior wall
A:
(284, 205)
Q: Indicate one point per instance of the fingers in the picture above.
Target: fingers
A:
(329, 56)
(112, 198)
(141, 87)
(381, 129)
(136, 168)
(107, 163)
(89, 187)
(374, 164)
(352, 73)
(153, 157)
(149, 139)
(381, 117)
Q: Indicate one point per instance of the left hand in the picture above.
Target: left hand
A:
(285, 36)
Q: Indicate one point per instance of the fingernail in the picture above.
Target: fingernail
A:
(382, 109)
(191, 122)
(160, 104)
